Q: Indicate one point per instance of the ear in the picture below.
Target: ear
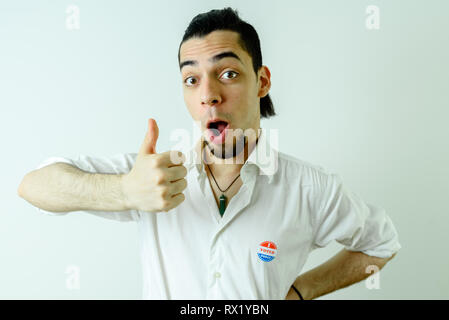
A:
(264, 81)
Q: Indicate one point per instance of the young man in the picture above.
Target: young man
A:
(212, 228)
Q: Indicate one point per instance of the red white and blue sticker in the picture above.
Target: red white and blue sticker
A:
(267, 251)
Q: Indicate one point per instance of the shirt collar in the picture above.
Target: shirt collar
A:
(263, 157)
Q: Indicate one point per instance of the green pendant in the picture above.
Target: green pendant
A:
(222, 204)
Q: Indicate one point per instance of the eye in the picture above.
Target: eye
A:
(232, 72)
(185, 81)
(190, 83)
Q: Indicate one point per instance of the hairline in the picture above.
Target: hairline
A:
(240, 43)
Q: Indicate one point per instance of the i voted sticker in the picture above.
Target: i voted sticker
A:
(267, 251)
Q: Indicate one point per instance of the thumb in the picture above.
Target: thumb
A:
(149, 143)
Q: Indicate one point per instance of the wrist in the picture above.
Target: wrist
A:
(303, 288)
(297, 292)
(124, 193)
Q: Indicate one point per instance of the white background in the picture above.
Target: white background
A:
(371, 105)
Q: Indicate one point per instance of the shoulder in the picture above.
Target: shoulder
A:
(307, 172)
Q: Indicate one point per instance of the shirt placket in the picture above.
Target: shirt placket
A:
(217, 256)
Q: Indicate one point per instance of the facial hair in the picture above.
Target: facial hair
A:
(237, 148)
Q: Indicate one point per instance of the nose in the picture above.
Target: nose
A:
(210, 94)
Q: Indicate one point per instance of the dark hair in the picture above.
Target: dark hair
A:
(228, 19)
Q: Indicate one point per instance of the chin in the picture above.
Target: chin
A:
(227, 149)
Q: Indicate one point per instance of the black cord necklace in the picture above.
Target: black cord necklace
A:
(223, 199)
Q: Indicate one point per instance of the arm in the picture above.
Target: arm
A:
(344, 217)
(342, 270)
(60, 187)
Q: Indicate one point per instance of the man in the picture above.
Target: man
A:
(215, 229)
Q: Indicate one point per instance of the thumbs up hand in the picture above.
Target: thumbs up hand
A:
(155, 183)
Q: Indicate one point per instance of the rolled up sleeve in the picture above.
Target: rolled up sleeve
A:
(359, 226)
(117, 164)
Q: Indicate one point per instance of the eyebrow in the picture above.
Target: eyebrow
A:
(214, 59)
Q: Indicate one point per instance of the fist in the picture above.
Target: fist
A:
(156, 181)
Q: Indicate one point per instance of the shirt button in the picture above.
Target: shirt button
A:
(217, 274)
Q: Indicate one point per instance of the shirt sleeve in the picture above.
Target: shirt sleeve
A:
(117, 164)
(359, 226)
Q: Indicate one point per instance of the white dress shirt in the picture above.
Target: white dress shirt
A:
(285, 208)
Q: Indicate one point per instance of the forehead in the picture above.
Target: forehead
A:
(215, 42)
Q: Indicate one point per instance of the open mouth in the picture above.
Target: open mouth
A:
(217, 130)
(217, 126)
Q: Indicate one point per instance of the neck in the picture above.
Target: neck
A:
(227, 167)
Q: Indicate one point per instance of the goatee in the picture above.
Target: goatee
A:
(237, 148)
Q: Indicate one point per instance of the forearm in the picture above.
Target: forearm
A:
(342, 270)
(61, 187)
